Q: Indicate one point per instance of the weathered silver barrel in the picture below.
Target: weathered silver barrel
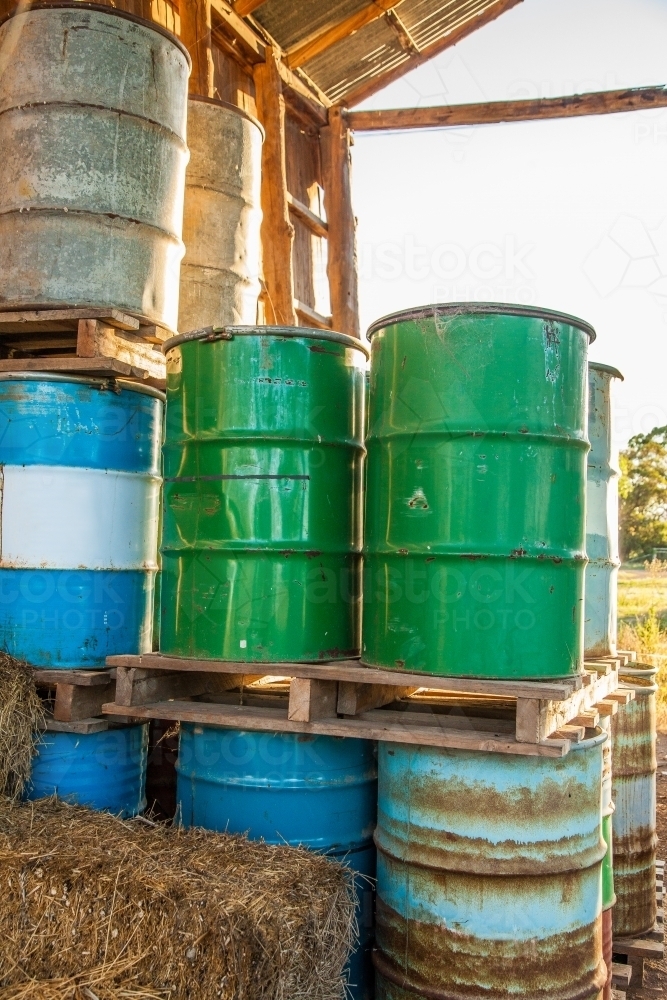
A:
(93, 109)
(634, 792)
(489, 874)
(222, 217)
(601, 516)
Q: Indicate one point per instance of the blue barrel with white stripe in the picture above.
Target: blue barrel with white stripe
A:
(104, 771)
(80, 491)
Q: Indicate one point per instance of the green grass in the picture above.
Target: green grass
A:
(642, 621)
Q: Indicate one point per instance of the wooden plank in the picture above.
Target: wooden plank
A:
(342, 250)
(405, 39)
(607, 706)
(74, 702)
(471, 22)
(252, 45)
(310, 700)
(587, 719)
(323, 39)
(307, 102)
(312, 317)
(135, 686)
(275, 720)
(355, 698)
(599, 666)
(494, 112)
(352, 670)
(277, 229)
(502, 728)
(84, 678)
(529, 720)
(245, 7)
(99, 340)
(639, 948)
(537, 718)
(196, 36)
(622, 695)
(40, 319)
(100, 367)
(621, 975)
(314, 222)
(83, 726)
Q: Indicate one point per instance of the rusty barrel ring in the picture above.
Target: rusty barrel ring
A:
(477, 309)
(298, 332)
(101, 9)
(608, 369)
(93, 381)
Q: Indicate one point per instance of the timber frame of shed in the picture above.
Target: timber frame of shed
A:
(299, 66)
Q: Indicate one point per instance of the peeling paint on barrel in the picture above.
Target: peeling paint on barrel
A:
(634, 791)
(489, 874)
(92, 126)
(474, 552)
(601, 587)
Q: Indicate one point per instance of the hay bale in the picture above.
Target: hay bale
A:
(21, 715)
(95, 907)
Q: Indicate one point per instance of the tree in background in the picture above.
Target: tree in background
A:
(643, 494)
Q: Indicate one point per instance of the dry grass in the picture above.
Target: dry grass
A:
(94, 907)
(21, 714)
(642, 622)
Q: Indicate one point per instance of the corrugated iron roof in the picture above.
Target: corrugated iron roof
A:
(377, 50)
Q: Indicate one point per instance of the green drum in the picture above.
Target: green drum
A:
(263, 465)
(476, 487)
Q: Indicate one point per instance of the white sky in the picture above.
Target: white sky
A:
(568, 214)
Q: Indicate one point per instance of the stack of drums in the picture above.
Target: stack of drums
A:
(261, 564)
(490, 866)
(93, 128)
(81, 487)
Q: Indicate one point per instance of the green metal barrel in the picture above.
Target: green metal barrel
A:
(476, 483)
(263, 464)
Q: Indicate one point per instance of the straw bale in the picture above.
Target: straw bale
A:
(96, 907)
(21, 715)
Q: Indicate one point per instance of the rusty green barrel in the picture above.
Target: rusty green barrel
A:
(489, 874)
(601, 516)
(263, 465)
(475, 506)
(634, 792)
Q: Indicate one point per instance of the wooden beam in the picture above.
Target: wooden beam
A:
(252, 45)
(603, 103)
(196, 36)
(314, 222)
(245, 7)
(311, 316)
(342, 251)
(471, 23)
(311, 700)
(277, 229)
(405, 39)
(299, 54)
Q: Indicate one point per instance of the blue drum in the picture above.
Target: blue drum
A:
(80, 468)
(319, 792)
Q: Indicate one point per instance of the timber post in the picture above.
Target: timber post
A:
(342, 252)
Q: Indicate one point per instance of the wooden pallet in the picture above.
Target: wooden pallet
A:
(74, 698)
(647, 947)
(82, 341)
(346, 698)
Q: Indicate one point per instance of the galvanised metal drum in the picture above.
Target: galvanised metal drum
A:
(93, 111)
(601, 516)
(263, 465)
(489, 874)
(79, 461)
(222, 216)
(634, 792)
(608, 894)
(105, 770)
(474, 551)
(319, 792)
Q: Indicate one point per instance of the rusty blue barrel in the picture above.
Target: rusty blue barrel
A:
(319, 792)
(105, 770)
(601, 515)
(634, 793)
(474, 552)
(93, 111)
(489, 874)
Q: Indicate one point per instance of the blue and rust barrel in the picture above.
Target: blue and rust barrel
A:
(634, 793)
(319, 792)
(608, 894)
(93, 112)
(489, 874)
(474, 552)
(601, 515)
(104, 770)
(80, 464)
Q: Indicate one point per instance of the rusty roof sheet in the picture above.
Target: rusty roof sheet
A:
(373, 51)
